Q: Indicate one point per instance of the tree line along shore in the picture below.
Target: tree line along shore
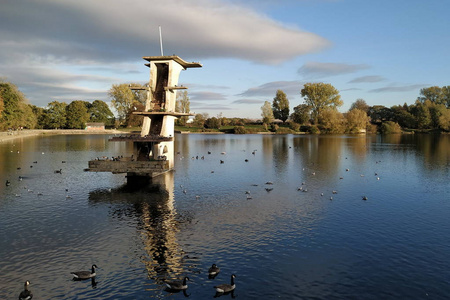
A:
(318, 114)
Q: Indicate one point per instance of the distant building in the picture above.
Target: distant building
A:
(95, 126)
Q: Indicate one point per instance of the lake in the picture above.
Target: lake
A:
(290, 222)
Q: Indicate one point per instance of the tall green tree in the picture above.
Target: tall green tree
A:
(360, 104)
(267, 113)
(123, 99)
(380, 113)
(446, 92)
(301, 114)
(280, 106)
(39, 114)
(199, 120)
(434, 94)
(99, 112)
(422, 113)
(330, 120)
(320, 96)
(14, 110)
(77, 115)
(55, 116)
(357, 120)
(182, 105)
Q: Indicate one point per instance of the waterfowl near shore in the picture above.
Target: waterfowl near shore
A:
(177, 284)
(226, 288)
(80, 275)
(26, 294)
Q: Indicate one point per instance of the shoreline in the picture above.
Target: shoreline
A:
(13, 135)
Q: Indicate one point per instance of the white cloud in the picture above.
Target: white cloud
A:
(269, 89)
(91, 35)
(367, 79)
(206, 96)
(404, 88)
(319, 70)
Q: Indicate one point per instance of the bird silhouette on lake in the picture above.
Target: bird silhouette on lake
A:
(26, 293)
(82, 275)
(226, 288)
(177, 284)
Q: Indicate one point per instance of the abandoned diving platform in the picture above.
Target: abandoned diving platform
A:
(153, 149)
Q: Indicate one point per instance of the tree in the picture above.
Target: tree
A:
(123, 98)
(360, 104)
(55, 116)
(330, 120)
(434, 94)
(14, 110)
(380, 113)
(390, 127)
(212, 123)
(99, 112)
(77, 115)
(133, 120)
(280, 106)
(301, 114)
(444, 120)
(446, 92)
(320, 96)
(402, 116)
(39, 114)
(182, 105)
(267, 113)
(422, 113)
(357, 119)
(199, 120)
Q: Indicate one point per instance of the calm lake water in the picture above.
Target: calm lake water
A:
(281, 244)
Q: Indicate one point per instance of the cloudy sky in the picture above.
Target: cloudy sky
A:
(382, 51)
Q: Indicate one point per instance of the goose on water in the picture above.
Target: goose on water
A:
(84, 274)
(177, 284)
(214, 270)
(26, 293)
(225, 288)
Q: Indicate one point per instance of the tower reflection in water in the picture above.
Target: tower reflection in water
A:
(150, 204)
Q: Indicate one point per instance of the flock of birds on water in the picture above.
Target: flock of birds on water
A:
(171, 285)
(268, 184)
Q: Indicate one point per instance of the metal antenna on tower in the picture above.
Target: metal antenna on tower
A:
(160, 41)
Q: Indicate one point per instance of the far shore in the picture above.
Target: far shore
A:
(18, 134)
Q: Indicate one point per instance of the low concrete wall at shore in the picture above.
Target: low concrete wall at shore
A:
(11, 135)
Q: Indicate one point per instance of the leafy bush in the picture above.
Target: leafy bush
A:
(390, 127)
(313, 129)
(240, 130)
(294, 126)
(273, 127)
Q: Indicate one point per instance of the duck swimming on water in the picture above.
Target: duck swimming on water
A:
(226, 288)
(80, 275)
(177, 284)
(214, 270)
(26, 294)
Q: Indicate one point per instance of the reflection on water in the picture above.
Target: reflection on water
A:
(286, 243)
(151, 204)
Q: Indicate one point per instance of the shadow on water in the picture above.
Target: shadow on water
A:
(150, 206)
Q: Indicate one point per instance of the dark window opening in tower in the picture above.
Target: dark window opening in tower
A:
(156, 127)
(162, 79)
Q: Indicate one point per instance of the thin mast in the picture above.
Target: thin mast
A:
(160, 41)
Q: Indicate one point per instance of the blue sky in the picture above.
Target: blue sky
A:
(382, 51)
